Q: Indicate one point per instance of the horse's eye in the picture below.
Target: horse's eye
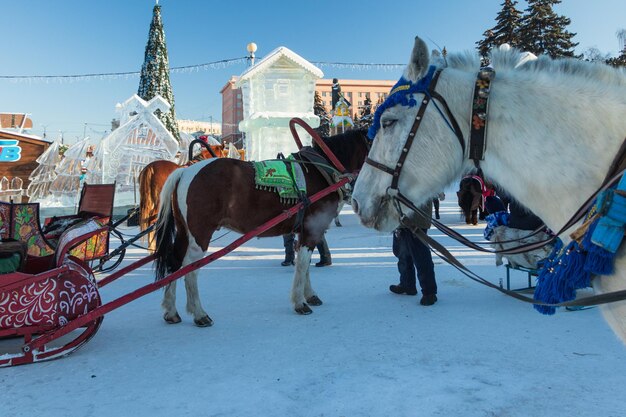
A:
(388, 123)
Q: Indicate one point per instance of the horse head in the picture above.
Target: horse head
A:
(434, 159)
(350, 148)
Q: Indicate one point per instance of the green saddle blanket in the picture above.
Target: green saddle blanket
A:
(283, 178)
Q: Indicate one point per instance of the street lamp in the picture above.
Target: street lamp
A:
(251, 50)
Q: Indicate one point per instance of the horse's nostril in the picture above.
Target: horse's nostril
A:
(355, 205)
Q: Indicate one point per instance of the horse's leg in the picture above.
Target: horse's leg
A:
(309, 294)
(194, 306)
(151, 236)
(303, 260)
(475, 217)
(169, 304)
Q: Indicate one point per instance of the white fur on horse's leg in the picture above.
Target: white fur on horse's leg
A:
(614, 313)
(303, 260)
(308, 290)
(194, 306)
(309, 294)
(169, 304)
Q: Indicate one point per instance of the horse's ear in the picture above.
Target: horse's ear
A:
(418, 64)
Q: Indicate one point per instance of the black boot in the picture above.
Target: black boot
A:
(428, 300)
(322, 248)
(289, 252)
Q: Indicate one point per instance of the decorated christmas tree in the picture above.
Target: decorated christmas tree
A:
(44, 174)
(155, 72)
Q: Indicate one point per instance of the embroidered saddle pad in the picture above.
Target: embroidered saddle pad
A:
(281, 177)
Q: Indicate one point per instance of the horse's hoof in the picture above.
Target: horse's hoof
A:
(203, 321)
(172, 320)
(314, 300)
(304, 310)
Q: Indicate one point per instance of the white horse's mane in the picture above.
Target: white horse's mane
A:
(508, 60)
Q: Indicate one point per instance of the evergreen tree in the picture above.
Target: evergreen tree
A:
(366, 118)
(542, 31)
(619, 61)
(506, 29)
(155, 72)
(320, 111)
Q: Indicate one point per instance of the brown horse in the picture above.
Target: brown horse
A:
(151, 180)
(188, 216)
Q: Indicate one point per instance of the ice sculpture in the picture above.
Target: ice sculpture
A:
(279, 87)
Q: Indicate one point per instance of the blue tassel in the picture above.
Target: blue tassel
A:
(599, 261)
(542, 292)
(561, 277)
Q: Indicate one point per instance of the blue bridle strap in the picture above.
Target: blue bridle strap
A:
(401, 93)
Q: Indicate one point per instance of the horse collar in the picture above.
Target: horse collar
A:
(480, 105)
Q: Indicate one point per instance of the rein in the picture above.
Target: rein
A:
(338, 166)
(329, 154)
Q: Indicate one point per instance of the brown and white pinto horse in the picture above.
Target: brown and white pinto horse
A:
(189, 215)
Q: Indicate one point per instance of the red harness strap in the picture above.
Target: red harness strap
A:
(331, 156)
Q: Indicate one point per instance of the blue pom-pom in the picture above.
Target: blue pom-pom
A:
(559, 281)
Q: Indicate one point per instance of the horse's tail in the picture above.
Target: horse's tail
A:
(147, 201)
(169, 229)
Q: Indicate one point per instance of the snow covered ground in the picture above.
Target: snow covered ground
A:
(365, 352)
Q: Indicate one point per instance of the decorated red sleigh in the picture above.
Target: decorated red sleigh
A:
(49, 296)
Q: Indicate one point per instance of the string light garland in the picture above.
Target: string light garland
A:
(116, 75)
(359, 66)
(190, 68)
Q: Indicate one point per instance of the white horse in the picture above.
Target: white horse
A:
(554, 128)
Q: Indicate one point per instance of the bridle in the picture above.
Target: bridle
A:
(429, 95)
(477, 142)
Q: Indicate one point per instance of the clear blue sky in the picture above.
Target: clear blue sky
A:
(42, 37)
